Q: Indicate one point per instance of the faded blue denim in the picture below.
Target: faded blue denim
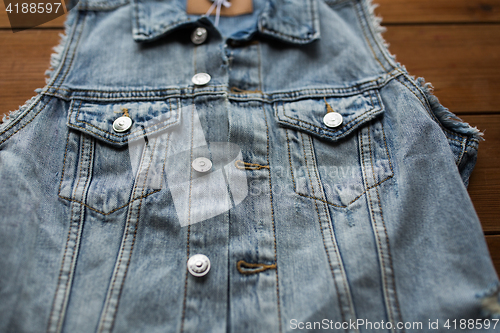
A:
(302, 223)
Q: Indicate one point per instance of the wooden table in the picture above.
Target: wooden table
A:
(455, 44)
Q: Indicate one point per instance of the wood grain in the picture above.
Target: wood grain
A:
(484, 186)
(25, 58)
(461, 61)
(442, 11)
(494, 246)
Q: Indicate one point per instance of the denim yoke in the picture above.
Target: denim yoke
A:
(302, 222)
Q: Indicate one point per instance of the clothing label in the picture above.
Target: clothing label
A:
(201, 7)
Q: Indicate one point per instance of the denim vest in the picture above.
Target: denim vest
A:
(274, 173)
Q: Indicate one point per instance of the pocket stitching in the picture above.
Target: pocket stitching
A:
(365, 113)
(132, 199)
(72, 125)
(391, 175)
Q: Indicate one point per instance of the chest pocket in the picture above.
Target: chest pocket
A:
(105, 169)
(337, 163)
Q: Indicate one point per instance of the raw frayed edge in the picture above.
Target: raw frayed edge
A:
(56, 57)
(448, 119)
(490, 301)
(12, 115)
(59, 50)
(378, 29)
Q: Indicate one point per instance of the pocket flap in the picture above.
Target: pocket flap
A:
(148, 118)
(307, 115)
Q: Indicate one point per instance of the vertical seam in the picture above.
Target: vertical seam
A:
(273, 222)
(82, 210)
(165, 161)
(321, 229)
(190, 162)
(64, 162)
(185, 283)
(81, 165)
(369, 199)
(66, 247)
(260, 66)
(290, 161)
(72, 108)
(134, 237)
(194, 59)
(70, 231)
(339, 258)
(270, 193)
(120, 258)
(376, 224)
(398, 308)
(387, 148)
(382, 252)
(390, 259)
(313, 17)
(136, 21)
(189, 218)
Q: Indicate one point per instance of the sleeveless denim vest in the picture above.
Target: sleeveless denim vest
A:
(277, 172)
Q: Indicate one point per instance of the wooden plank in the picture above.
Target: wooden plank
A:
(461, 61)
(4, 19)
(494, 246)
(25, 58)
(449, 11)
(484, 186)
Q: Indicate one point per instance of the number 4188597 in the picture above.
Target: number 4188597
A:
(33, 8)
(471, 324)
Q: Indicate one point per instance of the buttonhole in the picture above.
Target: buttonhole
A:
(252, 268)
(249, 166)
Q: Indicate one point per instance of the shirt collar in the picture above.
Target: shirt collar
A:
(293, 21)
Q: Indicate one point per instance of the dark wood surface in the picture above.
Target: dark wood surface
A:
(454, 44)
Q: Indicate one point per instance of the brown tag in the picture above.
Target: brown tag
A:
(201, 7)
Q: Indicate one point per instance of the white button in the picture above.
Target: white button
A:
(332, 119)
(122, 124)
(202, 164)
(198, 265)
(201, 79)
(199, 35)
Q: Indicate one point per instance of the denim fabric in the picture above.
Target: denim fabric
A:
(368, 221)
